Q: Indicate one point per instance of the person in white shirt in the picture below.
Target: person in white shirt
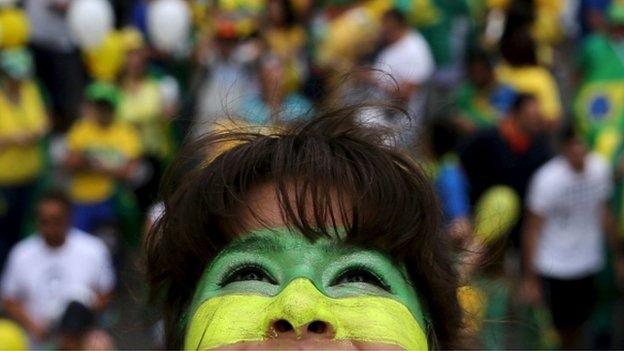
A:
(405, 63)
(568, 214)
(57, 59)
(57, 266)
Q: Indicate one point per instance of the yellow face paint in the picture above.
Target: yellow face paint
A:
(230, 319)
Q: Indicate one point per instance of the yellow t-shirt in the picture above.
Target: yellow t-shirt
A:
(352, 34)
(112, 146)
(535, 80)
(20, 164)
(142, 108)
(287, 44)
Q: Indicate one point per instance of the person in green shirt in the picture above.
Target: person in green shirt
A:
(481, 100)
(601, 56)
(598, 107)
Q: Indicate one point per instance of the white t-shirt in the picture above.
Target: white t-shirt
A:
(48, 27)
(47, 279)
(409, 60)
(571, 241)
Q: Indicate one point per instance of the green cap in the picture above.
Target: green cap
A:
(615, 13)
(106, 92)
(17, 63)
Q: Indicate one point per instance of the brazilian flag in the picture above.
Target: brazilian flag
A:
(599, 111)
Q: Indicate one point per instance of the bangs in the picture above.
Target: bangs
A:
(344, 180)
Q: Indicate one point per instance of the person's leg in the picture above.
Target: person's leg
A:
(571, 303)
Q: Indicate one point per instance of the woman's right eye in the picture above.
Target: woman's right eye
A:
(249, 273)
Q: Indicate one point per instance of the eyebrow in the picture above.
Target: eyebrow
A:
(250, 243)
(253, 243)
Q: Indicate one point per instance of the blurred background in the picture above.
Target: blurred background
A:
(97, 96)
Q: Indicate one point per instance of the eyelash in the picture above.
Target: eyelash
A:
(229, 278)
(380, 282)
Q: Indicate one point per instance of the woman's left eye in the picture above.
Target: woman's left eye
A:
(360, 275)
(250, 273)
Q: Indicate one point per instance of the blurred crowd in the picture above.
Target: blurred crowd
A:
(515, 108)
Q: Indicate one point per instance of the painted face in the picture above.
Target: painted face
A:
(273, 289)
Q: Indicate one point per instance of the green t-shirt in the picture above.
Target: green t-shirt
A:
(439, 31)
(601, 59)
(475, 106)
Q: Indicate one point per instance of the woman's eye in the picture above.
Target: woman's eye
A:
(249, 274)
(360, 275)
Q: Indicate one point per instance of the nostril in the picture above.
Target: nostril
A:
(282, 326)
(317, 327)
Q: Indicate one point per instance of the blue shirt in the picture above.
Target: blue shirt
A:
(452, 188)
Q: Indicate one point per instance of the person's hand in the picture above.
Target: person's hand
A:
(531, 291)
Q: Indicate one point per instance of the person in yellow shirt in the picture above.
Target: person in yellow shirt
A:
(346, 33)
(23, 123)
(102, 152)
(522, 72)
(286, 39)
(144, 106)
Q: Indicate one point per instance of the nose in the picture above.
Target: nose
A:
(282, 328)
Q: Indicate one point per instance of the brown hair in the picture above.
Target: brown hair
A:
(381, 197)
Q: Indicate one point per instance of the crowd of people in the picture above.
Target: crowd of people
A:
(513, 107)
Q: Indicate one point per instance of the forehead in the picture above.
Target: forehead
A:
(52, 207)
(263, 209)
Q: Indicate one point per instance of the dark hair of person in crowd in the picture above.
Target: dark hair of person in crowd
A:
(518, 48)
(74, 324)
(479, 57)
(288, 16)
(104, 106)
(338, 171)
(568, 134)
(442, 135)
(480, 69)
(396, 15)
(56, 196)
(520, 101)
(520, 15)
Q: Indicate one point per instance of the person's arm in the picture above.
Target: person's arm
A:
(15, 309)
(103, 279)
(531, 287)
(11, 290)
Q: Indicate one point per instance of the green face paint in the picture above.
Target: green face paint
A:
(270, 275)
